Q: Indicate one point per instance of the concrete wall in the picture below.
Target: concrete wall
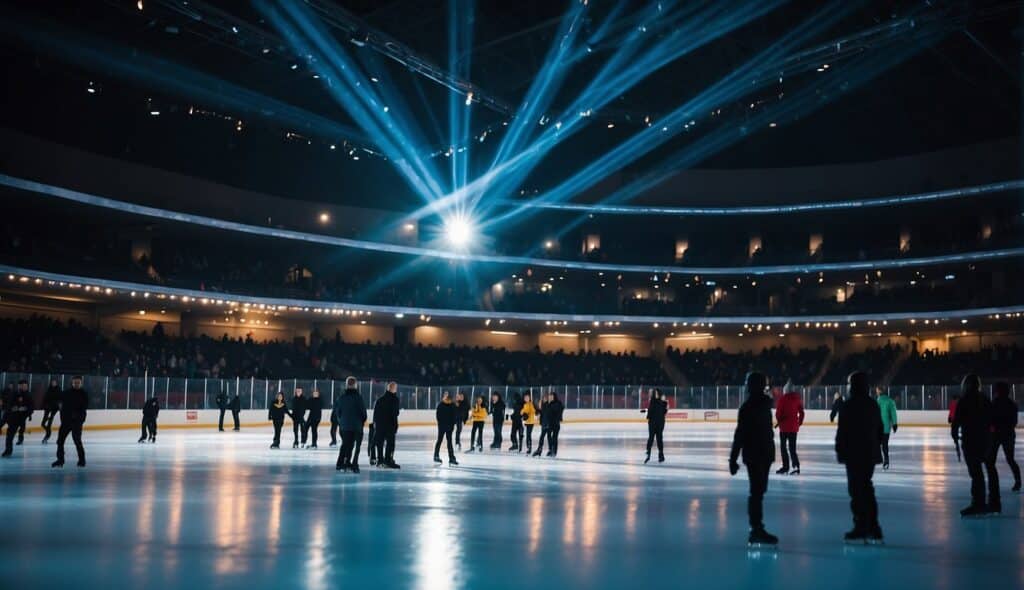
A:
(442, 337)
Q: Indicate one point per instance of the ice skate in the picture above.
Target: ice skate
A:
(311, 447)
(974, 511)
(994, 508)
(782, 471)
(152, 439)
(661, 458)
(471, 450)
(762, 538)
(334, 443)
(392, 465)
(341, 465)
(885, 466)
(875, 536)
(452, 461)
(275, 446)
(796, 471)
(295, 445)
(81, 462)
(57, 463)
(855, 537)
(647, 459)
(142, 439)
(21, 439)
(354, 468)
(6, 454)
(1016, 487)
(437, 459)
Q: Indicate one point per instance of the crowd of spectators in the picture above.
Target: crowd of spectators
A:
(932, 367)
(715, 366)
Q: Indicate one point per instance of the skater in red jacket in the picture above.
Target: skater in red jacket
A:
(789, 414)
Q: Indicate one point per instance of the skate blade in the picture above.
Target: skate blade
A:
(772, 546)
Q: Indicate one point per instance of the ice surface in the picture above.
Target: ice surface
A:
(219, 510)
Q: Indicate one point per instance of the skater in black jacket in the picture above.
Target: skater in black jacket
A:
(315, 405)
(17, 411)
(222, 405)
(657, 409)
(858, 447)
(517, 422)
(236, 408)
(973, 423)
(276, 413)
(553, 409)
(351, 418)
(298, 414)
(385, 423)
(1004, 417)
(755, 440)
(334, 419)
(51, 404)
(74, 407)
(446, 416)
(837, 406)
(150, 410)
(462, 416)
(542, 418)
(22, 391)
(497, 419)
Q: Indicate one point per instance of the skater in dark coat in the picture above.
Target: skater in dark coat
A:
(74, 407)
(385, 423)
(21, 391)
(447, 416)
(334, 419)
(754, 439)
(657, 409)
(351, 418)
(497, 419)
(858, 447)
(236, 408)
(222, 405)
(461, 415)
(150, 410)
(517, 422)
(298, 414)
(837, 406)
(1004, 417)
(51, 404)
(973, 424)
(553, 409)
(18, 410)
(542, 419)
(5, 401)
(315, 405)
(276, 413)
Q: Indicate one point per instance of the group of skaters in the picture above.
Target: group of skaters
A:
(71, 404)
(978, 425)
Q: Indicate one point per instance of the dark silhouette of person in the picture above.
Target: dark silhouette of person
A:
(516, 433)
(18, 411)
(385, 420)
(150, 410)
(24, 393)
(497, 420)
(298, 413)
(973, 423)
(754, 439)
(222, 405)
(315, 405)
(51, 405)
(657, 409)
(236, 408)
(74, 406)
(275, 413)
(837, 406)
(554, 409)
(1004, 412)
(858, 447)
(447, 415)
(351, 418)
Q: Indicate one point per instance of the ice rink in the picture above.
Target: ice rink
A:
(202, 509)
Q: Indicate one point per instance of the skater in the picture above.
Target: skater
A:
(1004, 412)
(222, 405)
(952, 429)
(385, 422)
(756, 441)
(837, 406)
(17, 411)
(497, 419)
(529, 413)
(889, 425)
(74, 406)
(351, 418)
(657, 409)
(5, 401)
(554, 409)
(447, 416)
(51, 403)
(541, 402)
(334, 419)
(298, 414)
(371, 448)
(150, 410)
(858, 447)
(973, 423)
(461, 417)
(517, 423)
(315, 405)
(236, 408)
(276, 413)
(478, 415)
(789, 414)
(26, 394)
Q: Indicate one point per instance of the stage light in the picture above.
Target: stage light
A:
(469, 98)
(325, 217)
(459, 231)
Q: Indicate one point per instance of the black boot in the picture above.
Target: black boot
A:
(661, 457)
(81, 462)
(856, 536)
(142, 440)
(796, 471)
(875, 536)
(782, 471)
(452, 461)
(759, 536)
(57, 463)
(974, 510)
(7, 453)
(1016, 486)
(647, 459)
(354, 467)
(437, 459)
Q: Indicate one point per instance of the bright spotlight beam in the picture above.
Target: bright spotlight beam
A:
(458, 230)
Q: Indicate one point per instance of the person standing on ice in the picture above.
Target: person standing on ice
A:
(497, 419)
(657, 409)
(837, 406)
(385, 420)
(1004, 412)
(461, 416)
(789, 414)
(298, 414)
(74, 407)
(554, 408)
(51, 404)
(478, 415)
(517, 423)
(17, 412)
(276, 413)
(236, 408)
(447, 416)
(315, 404)
(529, 413)
(541, 402)
(858, 447)
(150, 411)
(973, 424)
(754, 439)
(889, 423)
(351, 418)
(222, 404)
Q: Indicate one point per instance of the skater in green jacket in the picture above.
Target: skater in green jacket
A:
(889, 422)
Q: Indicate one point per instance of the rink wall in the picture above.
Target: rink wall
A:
(124, 419)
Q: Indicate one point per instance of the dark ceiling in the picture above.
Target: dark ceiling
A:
(956, 81)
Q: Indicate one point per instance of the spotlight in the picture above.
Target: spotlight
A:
(459, 231)
(325, 217)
